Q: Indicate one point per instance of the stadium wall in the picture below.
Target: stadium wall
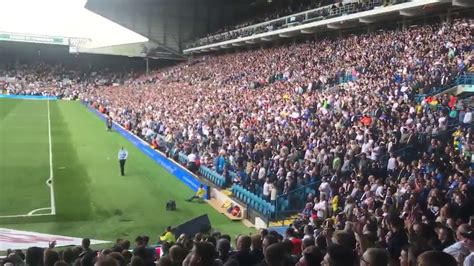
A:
(175, 169)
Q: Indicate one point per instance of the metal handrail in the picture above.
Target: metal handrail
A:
(465, 79)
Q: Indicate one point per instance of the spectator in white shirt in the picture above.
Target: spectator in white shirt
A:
(467, 117)
(192, 166)
(273, 194)
(261, 173)
(324, 187)
(321, 207)
(469, 244)
(267, 186)
(392, 163)
(458, 250)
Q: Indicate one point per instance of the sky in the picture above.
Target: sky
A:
(63, 18)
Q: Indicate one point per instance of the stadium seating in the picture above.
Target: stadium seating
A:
(253, 201)
(212, 176)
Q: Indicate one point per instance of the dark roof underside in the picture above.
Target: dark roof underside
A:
(170, 23)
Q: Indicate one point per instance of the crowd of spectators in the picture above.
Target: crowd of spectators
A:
(43, 79)
(349, 246)
(285, 116)
(280, 113)
(321, 10)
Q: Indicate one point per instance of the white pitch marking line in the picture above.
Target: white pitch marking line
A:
(31, 213)
(49, 182)
(51, 176)
(26, 215)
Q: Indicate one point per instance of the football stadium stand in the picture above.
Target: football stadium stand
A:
(359, 145)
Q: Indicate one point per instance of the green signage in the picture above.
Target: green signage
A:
(32, 38)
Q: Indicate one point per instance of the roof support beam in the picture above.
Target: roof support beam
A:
(308, 31)
(367, 20)
(410, 13)
(289, 34)
(269, 38)
(334, 26)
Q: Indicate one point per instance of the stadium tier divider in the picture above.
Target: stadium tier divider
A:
(320, 13)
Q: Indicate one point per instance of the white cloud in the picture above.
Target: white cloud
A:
(65, 18)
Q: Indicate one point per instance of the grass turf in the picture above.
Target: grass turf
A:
(92, 199)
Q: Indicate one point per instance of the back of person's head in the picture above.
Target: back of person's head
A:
(311, 256)
(125, 244)
(86, 243)
(127, 255)
(203, 254)
(20, 254)
(395, 221)
(268, 240)
(137, 261)
(177, 254)
(244, 242)
(119, 258)
(223, 246)
(463, 228)
(61, 263)
(68, 256)
(139, 241)
(256, 242)
(117, 248)
(165, 261)
(415, 249)
(435, 258)
(106, 251)
(225, 236)
(198, 237)
(50, 257)
(106, 261)
(275, 234)
(216, 235)
(337, 255)
(211, 240)
(321, 242)
(88, 258)
(290, 232)
(34, 256)
(345, 239)
(146, 239)
(375, 257)
(275, 254)
(15, 259)
(307, 242)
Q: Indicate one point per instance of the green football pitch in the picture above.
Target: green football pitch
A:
(63, 142)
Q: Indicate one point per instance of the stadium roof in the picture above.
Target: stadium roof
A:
(170, 23)
(63, 19)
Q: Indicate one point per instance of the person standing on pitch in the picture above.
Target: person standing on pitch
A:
(122, 156)
(109, 123)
